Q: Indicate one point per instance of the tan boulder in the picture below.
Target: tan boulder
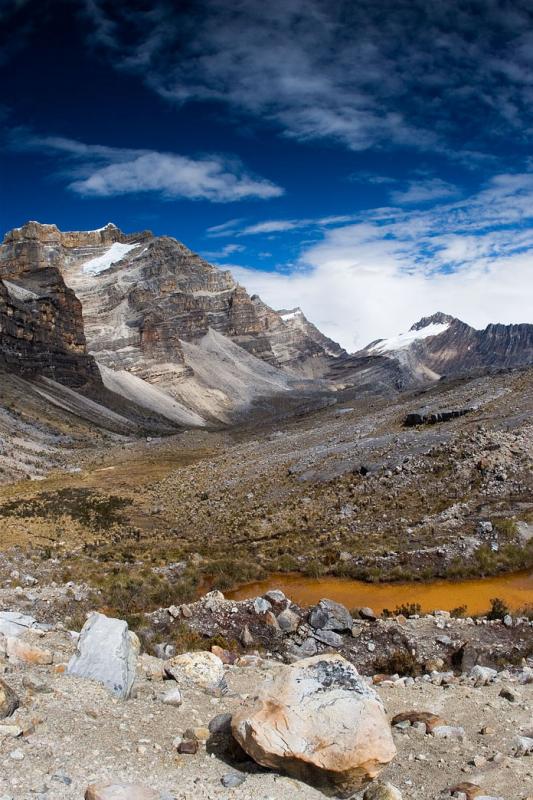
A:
(9, 701)
(120, 791)
(200, 669)
(318, 721)
(20, 652)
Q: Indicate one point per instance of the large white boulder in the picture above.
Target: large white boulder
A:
(107, 653)
(317, 720)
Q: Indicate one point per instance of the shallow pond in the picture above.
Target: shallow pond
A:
(515, 589)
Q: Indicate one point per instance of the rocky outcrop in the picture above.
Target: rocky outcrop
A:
(41, 326)
(317, 720)
(154, 313)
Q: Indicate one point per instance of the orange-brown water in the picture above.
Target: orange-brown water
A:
(516, 589)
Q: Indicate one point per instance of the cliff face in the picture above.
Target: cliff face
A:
(41, 326)
(168, 331)
(153, 293)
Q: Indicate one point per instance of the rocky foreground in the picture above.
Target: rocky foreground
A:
(301, 712)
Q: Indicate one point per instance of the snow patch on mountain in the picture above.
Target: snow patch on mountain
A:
(112, 255)
(404, 340)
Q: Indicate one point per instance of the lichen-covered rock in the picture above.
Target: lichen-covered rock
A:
(382, 791)
(318, 721)
(9, 701)
(202, 669)
(106, 653)
(21, 652)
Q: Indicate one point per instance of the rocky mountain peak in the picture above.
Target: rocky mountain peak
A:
(439, 318)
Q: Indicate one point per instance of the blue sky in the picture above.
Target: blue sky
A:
(368, 160)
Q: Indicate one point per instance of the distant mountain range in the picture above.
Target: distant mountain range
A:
(142, 325)
(435, 347)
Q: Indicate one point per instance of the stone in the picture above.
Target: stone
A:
(232, 779)
(317, 720)
(106, 653)
(261, 605)
(509, 694)
(524, 745)
(221, 724)
(172, 697)
(226, 656)
(367, 613)
(307, 649)
(288, 621)
(330, 616)
(13, 623)
(427, 718)
(200, 669)
(188, 747)
(9, 700)
(482, 675)
(382, 791)
(120, 791)
(271, 621)
(277, 599)
(35, 684)
(508, 621)
(246, 637)
(448, 732)
(20, 652)
(12, 731)
(330, 638)
(152, 667)
(468, 789)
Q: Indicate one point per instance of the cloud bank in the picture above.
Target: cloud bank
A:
(375, 277)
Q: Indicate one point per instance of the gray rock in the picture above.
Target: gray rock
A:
(288, 621)
(106, 653)
(448, 732)
(329, 637)
(367, 613)
(261, 606)
(482, 675)
(220, 724)
(330, 616)
(172, 697)
(232, 779)
(13, 623)
(508, 621)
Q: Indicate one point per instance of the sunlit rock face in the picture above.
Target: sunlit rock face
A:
(152, 317)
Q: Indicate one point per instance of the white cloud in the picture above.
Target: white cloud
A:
(102, 171)
(373, 279)
(424, 191)
(272, 226)
(224, 252)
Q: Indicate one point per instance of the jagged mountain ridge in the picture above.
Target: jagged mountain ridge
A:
(435, 347)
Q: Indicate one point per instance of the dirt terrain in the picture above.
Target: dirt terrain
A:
(348, 490)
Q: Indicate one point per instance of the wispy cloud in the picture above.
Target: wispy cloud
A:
(424, 191)
(374, 277)
(224, 252)
(365, 74)
(101, 171)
